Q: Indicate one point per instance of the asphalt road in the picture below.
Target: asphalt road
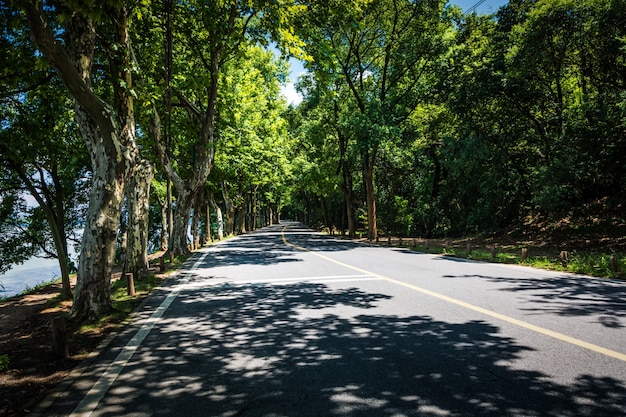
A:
(287, 322)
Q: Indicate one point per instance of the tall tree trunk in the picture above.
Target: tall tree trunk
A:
(242, 222)
(218, 215)
(325, 211)
(368, 178)
(138, 204)
(346, 175)
(203, 161)
(61, 241)
(179, 240)
(53, 207)
(207, 238)
(230, 211)
(346, 188)
(164, 223)
(275, 215)
(141, 172)
(92, 296)
(195, 221)
(254, 213)
(170, 213)
(109, 136)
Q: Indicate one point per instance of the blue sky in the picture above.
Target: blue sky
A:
(484, 6)
(481, 7)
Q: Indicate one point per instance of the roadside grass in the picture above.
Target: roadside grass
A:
(593, 262)
(4, 362)
(123, 304)
(578, 262)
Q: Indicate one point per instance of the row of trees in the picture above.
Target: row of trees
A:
(425, 121)
(132, 120)
(102, 100)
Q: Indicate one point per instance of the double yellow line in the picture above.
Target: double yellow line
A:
(520, 323)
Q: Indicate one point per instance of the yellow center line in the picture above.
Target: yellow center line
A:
(556, 335)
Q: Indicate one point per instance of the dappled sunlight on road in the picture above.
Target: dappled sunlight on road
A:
(252, 350)
(568, 295)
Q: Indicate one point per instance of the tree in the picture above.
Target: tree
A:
(565, 76)
(14, 249)
(39, 154)
(108, 130)
(322, 131)
(207, 35)
(40, 147)
(383, 50)
(251, 162)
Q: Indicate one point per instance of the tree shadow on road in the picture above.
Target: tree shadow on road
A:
(568, 295)
(268, 248)
(311, 350)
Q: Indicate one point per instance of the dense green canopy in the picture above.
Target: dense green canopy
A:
(152, 118)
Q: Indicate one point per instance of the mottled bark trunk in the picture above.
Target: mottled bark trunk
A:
(220, 223)
(219, 218)
(275, 215)
(107, 143)
(138, 204)
(92, 295)
(164, 224)
(140, 172)
(179, 241)
(195, 223)
(206, 230)
(241, 217)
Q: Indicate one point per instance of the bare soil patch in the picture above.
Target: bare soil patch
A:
(25, 336)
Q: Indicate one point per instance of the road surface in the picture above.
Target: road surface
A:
(287, 322)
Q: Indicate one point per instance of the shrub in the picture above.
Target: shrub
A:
(4, 362)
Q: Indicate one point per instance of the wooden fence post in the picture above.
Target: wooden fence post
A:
(613, 263)
(59, 337)
(493, 251)
(130, 284)
(564, 258)
(524, 254)
(161, 263)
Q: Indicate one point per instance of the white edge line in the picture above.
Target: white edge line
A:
(91, 400)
